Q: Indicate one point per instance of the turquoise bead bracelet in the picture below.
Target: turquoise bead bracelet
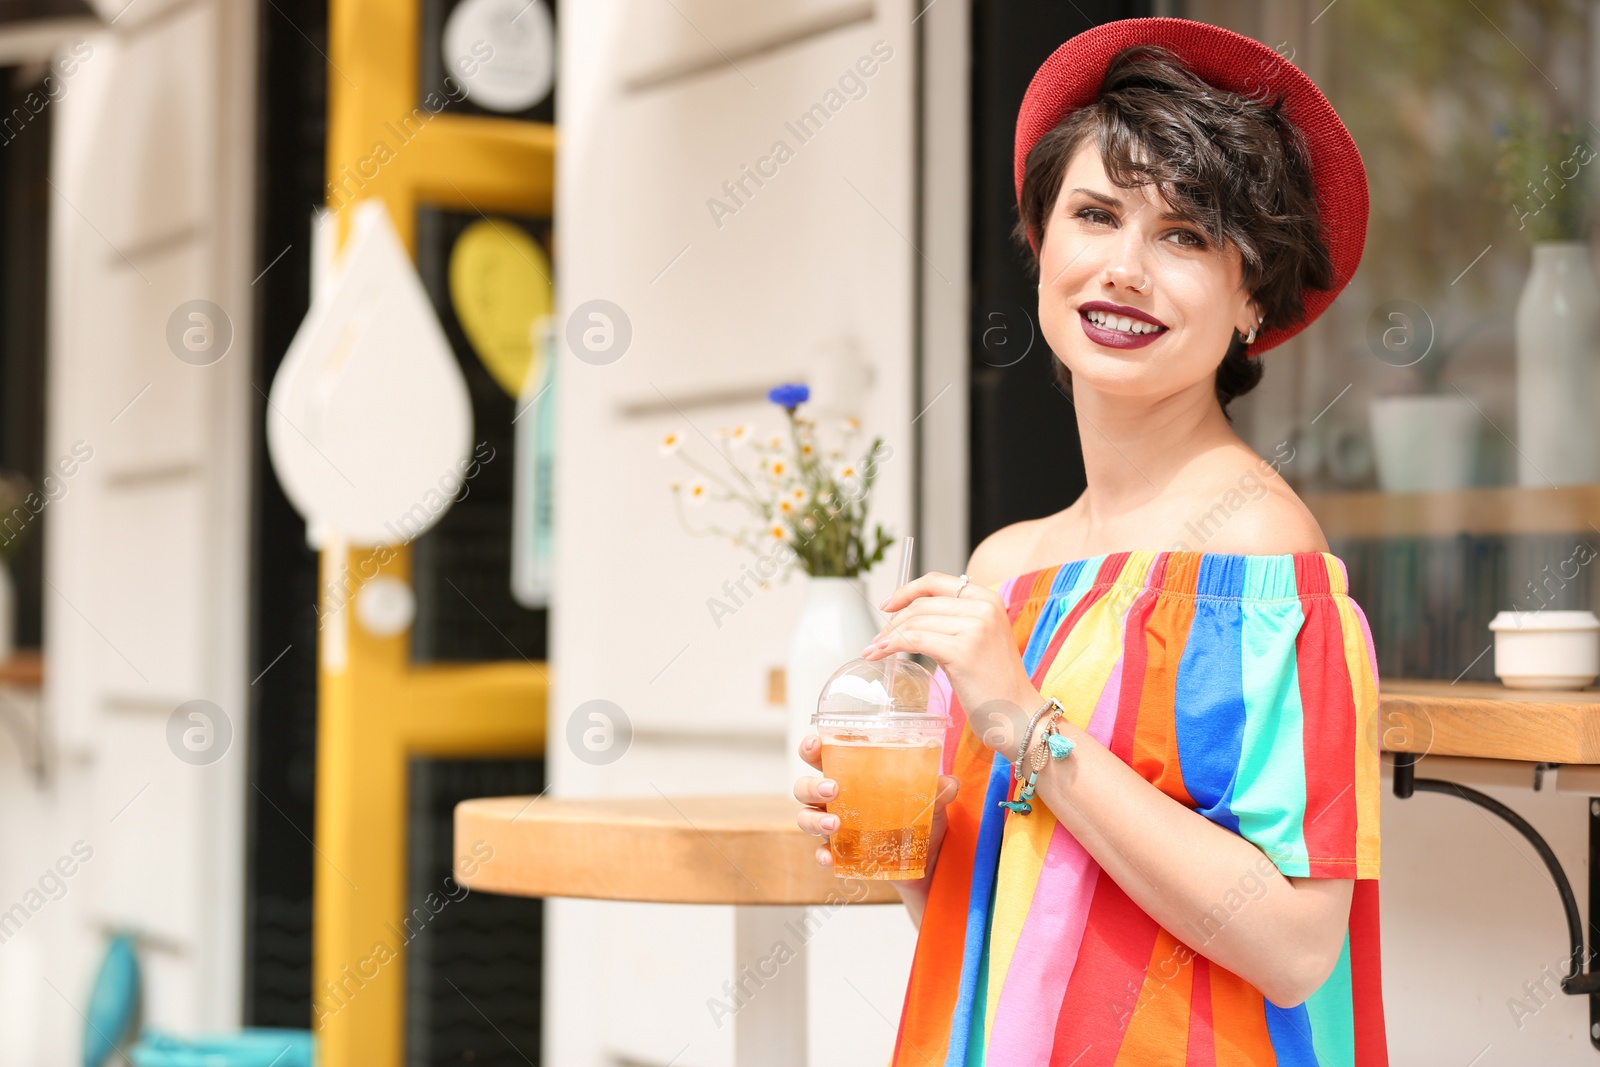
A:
(1055, 743)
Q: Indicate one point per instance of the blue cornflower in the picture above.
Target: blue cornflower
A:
(789, 395)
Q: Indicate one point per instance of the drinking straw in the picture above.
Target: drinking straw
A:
(905, 576)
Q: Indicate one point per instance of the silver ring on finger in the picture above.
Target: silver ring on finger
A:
(962, 584)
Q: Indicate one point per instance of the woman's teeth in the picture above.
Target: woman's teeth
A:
(1121, 324)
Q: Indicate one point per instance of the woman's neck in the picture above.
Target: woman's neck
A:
(1135, 447)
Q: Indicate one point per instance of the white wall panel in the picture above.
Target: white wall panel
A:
(148, 606)
(156, 423)
(667, 42)
(813, 259)
(161, 140)
(792, 279)
(147, 555)
(141, 877)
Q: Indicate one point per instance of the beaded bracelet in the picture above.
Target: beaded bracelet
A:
(1027, 734)
(1057, 744)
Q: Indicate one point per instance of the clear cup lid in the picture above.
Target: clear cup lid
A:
(864, 689)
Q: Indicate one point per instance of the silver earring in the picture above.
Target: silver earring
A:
(1250, 338)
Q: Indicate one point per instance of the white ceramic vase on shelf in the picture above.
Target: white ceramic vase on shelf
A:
(1558, 386)
(836, 622)
(1425, 442)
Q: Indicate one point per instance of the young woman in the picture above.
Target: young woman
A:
(1195, 882)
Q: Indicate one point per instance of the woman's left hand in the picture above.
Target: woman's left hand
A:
(970, 637)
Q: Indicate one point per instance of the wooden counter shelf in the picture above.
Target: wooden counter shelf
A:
(1486, 720)
(1481, 511)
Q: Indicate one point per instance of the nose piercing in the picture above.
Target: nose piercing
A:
(1140, 287)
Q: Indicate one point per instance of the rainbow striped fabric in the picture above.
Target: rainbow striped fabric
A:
(1243, 686)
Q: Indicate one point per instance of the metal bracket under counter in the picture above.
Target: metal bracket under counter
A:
(1489, 732)
(1578, 981)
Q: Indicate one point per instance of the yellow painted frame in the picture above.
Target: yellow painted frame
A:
(379, 710)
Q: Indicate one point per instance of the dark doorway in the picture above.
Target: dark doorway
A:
(31, 480)
(291, 135)
(1026, 459)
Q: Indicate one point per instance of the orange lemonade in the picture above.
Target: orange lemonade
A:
(885, 803)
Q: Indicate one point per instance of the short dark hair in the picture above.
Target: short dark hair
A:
(1233, 165)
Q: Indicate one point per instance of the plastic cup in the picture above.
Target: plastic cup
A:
(887, 769)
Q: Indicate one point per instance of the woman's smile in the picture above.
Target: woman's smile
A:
(1115, 326)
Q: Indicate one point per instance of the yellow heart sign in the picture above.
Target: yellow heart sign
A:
(500, 285)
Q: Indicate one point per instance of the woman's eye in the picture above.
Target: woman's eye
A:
(1187, 238)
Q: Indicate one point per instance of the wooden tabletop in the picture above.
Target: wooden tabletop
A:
(1488, 721)
(678, 850)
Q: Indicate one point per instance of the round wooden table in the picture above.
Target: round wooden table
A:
(740, 850)
(670, 850)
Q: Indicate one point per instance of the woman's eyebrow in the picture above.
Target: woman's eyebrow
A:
(1111, 201)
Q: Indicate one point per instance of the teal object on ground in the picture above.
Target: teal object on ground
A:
(113, 1004)
(247, 1048)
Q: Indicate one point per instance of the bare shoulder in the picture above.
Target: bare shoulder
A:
(1275, 528)
(1260, 514)
(1003, 553)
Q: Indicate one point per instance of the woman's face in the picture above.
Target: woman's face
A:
(1109, 246)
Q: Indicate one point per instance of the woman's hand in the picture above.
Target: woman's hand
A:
(969, 636)
(816, 792)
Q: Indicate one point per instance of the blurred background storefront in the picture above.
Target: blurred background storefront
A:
(162, 159)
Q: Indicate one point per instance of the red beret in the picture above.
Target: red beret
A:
(1071, 79)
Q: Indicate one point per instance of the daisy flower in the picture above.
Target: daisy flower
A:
(779, 532)
(846, 472)
(671, 443)
(741, 434)
(698, 492)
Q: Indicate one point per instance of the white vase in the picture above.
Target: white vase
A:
(1558, 333)
(835, 624)
(1425, 442)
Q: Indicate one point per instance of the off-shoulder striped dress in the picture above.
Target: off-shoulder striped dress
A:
(1243, 686)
